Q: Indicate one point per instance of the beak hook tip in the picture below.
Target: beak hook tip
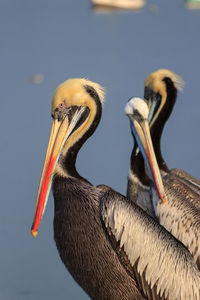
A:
(34, 232)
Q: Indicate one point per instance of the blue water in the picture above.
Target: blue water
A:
(66, 38)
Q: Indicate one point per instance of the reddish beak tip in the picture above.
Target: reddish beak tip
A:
(34, 233)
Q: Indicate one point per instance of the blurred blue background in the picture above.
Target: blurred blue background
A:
(62, 39)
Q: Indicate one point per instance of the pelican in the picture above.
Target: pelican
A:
(111, 247)
(180, 214)
(160, 92)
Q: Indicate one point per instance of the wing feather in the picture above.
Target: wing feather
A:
(163, 262)
(188, 180)
(179, 215)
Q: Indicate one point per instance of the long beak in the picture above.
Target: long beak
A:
(60, 132)
(143, 137)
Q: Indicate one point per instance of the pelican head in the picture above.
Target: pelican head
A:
(137, 111)
(160, 92)
(76, 112)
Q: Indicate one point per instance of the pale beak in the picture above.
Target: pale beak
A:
(60, 132)
(143, 137)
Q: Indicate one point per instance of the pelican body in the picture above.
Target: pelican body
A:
(99, 233)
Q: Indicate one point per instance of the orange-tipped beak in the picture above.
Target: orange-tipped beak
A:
(56, 141)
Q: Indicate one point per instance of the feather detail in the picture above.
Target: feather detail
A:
(165, 263)
(158, 75)
(180, 215)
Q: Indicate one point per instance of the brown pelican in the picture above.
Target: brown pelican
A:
(160, 92)
(111, 247)
(181, 213)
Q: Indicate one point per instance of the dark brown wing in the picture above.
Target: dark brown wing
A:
(164, 268)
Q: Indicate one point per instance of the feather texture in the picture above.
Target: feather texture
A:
(180, 214)
(189, 181)
(166, 265)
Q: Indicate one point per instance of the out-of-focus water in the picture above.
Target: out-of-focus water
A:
(66, 38)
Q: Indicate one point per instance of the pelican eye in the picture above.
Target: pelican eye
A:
(61, 111)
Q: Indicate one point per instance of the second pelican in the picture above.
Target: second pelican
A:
(178, 214)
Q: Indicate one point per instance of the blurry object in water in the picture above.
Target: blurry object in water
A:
(119, 4)
(193, 4)
(36, 79)
(153, 8)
